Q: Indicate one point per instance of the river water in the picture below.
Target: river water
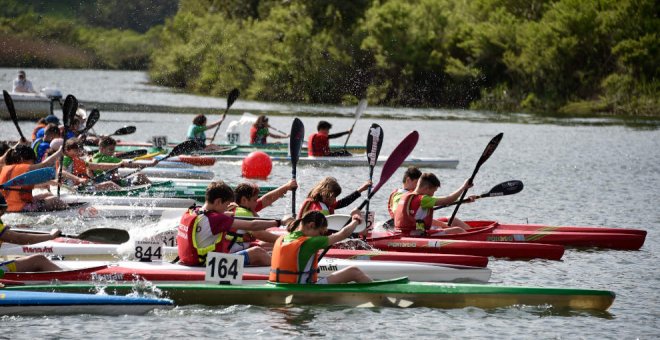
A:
(588, 171)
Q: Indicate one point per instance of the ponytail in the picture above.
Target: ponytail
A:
(311, 216)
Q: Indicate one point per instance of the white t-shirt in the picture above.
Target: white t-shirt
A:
(23, 86)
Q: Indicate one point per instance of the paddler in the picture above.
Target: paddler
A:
(77, 171)
(41, 145)
(106, 153)
(318, 144)
(206, 229)
(248, 204)
(414, 213)
(410, 179)
(260, 130)
(32, 263)
(197, 131)
(19, 161)
(323, 197)
(295, 256)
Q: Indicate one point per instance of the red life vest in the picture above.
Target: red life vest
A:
(256, 137)
(284, 262)
(404, 215)
(189, 252)
(318, 144)
(311, 205)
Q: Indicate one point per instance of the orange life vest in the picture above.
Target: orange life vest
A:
(189, 252)
(284, 262)
(16, 199)
(405, 219)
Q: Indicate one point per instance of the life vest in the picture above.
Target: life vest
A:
(3, 228)
(16, 199)
(36, 147)
(318, 144)
(258, 136)
(241, 236)
(77, 167)
(189, 252)
(393, 200)
(409, 216)
(284, 262)
(311, 205)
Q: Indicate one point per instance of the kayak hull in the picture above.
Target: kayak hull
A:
(351, 161)
(172, 173)
(392, 293)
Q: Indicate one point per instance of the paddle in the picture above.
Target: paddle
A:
(30, 178)
(132, 153)
(68, 113)
(374, 144)
(99, 235)
(488, 151)
(393, 162)
(12, 113)
(358, 113)
(251, 119)
(182, 148)
(126, 130)
(93, 117)
(295, 143)
(231, 98)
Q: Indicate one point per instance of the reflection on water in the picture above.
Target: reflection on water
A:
(294, 321)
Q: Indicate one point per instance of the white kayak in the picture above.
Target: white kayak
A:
(360, 160)
(167, 164)
(128, 201)
(377, 270)
(91, 211)
(172, 173)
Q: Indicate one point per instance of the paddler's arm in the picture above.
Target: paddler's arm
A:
(265, 236)
(356, 219)
(27, 238)
(48, 162)
(339, 134)
(274, 195)
(255, 225)
(346, 201)
(447, 200)
(214, 124)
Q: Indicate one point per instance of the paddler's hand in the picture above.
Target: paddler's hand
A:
(55, 233)
(232, 206)
(356, 216)
(292, 185)
(365, 186)
(467, 185)
(472, 198)
(287, 219)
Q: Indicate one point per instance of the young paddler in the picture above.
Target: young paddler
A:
(208, 229)
(323, 197)
(77, 170)
(106, 154)
(295, 255)
(410, 179)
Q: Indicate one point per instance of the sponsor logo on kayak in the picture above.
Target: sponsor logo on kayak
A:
(108, 277)
(402, 244)
(37, 250)
(328, 268)
(502, 238)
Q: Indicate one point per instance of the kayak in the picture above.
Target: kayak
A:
(39, 303)
(426, 162)
(375, 269)
(91, 211)
(171, 173)
(390, 293)
(493, 231)
(576, 229)
(128, 200)
(391, 241)
(355, 149)
(193, 160)
(377, 255)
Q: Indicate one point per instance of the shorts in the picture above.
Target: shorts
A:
(246, 257)
(36, 205)
(7, 267)
(238, 246)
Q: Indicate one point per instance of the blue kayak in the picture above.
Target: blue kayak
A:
(49, 303)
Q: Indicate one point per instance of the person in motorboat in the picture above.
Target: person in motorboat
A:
(323, 197)
(413, 214)
(410, 179)
(78, 172)
(41, 145)
(20, 160)
(318, 144)
(32, 263)
(105, 154)
(22, 84)
(295, 255)
(207, 229)
(248, 204)
(260, 130)
(197, 132)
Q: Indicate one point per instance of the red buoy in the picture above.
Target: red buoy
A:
(256, 165)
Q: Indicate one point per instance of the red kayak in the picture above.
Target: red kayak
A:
(375, 255)
(391, 241)
(493, 231)
(571, 229)
(194, 160)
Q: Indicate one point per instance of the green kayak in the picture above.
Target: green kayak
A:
(390, 293)
(237, 149)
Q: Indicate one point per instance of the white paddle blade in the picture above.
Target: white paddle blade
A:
(337, 221)
(362, 105)
(247, 118)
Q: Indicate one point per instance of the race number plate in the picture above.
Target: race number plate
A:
(159, 141)
(147, 251)
(224, 268)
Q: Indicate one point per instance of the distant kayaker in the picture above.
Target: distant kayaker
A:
(208, 229)
(106, 154)
(410, 179)
(22, 84)
(414, 213)
(197, 131)
(77, 171)
(32, 263)
(19, 161)
(260, 130)
(318, 143)
(295, 256)
(41, 145)
(323, 197)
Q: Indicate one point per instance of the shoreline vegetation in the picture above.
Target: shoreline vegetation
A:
(573, 58)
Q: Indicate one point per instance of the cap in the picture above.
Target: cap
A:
(21, 72)
(52, 119)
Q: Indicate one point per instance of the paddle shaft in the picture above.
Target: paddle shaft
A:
(358, 112)
(68, 112)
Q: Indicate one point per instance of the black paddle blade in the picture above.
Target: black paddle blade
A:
(295, 140)
(68, 103)
(488, 151)
(231, 98)
(131, 154)
(374, 144)
(184, 148)
(126, 130)
(505, 188)
(93, 117)
(72, 111)
(10, 105)
(105, 235)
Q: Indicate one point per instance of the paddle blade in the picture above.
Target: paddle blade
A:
(396, 158)
(362, 105)
(338, 221)
(31, 177)
(505, 188)
(295, 140)
(105, 235)
(93, 117)
(10, 105)
(131, 154)
(184, 148)
(488, 151)
(374, 143)
(126, 130)
(247, 118)
(231, 98)
(67, 108)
